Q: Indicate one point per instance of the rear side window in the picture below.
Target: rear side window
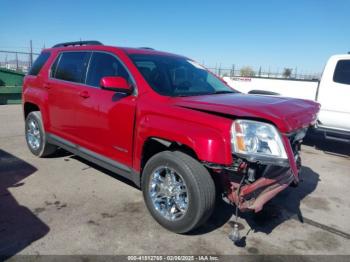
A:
(71, 66)
(103, 64)
(342, 72)
(39, 63)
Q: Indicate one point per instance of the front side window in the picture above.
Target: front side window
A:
(103, 64)
(39, 63)
(71, 66)
(342, 72)
(178, 76)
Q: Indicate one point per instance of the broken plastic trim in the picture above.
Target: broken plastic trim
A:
(263, 160)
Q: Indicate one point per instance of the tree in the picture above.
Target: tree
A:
(247, 71)
(287, 72)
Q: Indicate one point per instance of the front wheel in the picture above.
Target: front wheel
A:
(179, 192)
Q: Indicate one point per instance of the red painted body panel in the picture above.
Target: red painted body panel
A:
(106, 123)
(117, 127)
(288, 114)
(158, 117)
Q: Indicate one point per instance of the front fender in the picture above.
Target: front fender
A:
(211, 144)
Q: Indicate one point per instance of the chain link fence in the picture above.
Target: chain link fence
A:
(17, 61)
(247, 71)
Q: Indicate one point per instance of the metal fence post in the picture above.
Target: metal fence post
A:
(232, 73)
(31, 54)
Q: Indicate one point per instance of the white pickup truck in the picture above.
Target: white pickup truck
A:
(332, 92)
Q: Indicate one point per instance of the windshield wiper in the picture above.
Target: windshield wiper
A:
(223, 92)
(205, 94)
(190, 94)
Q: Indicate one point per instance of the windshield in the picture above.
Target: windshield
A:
(178, 76)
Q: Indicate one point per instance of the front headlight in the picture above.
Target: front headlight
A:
(253, 138)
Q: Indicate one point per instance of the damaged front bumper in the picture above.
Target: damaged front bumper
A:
(250, 183)
(253, 196)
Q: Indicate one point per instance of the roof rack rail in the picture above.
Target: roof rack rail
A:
(79, 43)
(148, 48)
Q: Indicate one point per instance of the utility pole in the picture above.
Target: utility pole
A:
(233, 70)
(16, 61)
(30, 54)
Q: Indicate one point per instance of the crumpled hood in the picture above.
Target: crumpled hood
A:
(288, 114)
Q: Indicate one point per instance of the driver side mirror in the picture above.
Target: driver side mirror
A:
(117, 84)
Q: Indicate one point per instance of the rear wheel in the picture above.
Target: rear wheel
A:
(179, 192)
(36, 137)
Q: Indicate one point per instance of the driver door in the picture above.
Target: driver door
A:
(106, 118)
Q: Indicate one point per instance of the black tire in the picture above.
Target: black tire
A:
(44, 149)
(200, 188)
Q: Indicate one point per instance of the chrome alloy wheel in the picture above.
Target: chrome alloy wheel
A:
(168, 192)
(33, 134)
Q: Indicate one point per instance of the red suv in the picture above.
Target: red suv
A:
(165, 122)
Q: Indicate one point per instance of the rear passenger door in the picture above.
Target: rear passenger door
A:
(67, 74)
(105, 118)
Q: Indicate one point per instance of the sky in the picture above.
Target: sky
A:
(300, 34)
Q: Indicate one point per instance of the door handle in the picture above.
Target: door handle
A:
(84, 94)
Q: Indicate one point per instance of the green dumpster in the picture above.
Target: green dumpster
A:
(10, 86)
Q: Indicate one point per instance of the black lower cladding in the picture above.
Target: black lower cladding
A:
(96, 158)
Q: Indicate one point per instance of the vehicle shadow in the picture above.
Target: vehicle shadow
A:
(284, 206)
(60, 153)
(221, 216)
(19, 226)
(105, 171)
(328, 146)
